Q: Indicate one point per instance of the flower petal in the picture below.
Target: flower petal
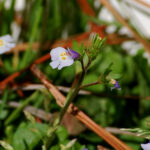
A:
(7, 44)
(56, 52)
(68, 62)
(10, 45)
(7, 38)
(145, 146)
(54, 64)
(4, 50)
(117, 85)
(74, 54)
(60, 67)
(111, 88)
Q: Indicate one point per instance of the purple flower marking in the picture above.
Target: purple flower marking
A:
(85, 149)
(73, 54)
(116, 84)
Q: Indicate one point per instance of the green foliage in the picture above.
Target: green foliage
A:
(78, 48)
(3, 111)
(106, 73)
(44, 21)
(27, 135)
(140, 132)
(95, 47)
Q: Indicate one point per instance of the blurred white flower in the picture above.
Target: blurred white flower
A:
(145, 146)
(138, 15)
(6, 43)
(105, 15)
(147, 56)
(61, 57)
(97, 4)
(131, 47)
(125, 31)
(20, 5)
(111, 29)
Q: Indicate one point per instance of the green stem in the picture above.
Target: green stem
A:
(73, 92)
(71, 95)
(89, 84)
(69, 99)
(5, 96)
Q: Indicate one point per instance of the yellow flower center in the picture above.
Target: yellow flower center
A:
(63, 55)
(112, 81)
(1, 43)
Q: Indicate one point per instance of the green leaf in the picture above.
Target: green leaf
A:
(62, 133)
(3, 113)
(29, 135)
(106, 73)
(78, 48)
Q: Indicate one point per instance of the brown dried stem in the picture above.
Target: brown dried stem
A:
(86, 8)
(143, 3)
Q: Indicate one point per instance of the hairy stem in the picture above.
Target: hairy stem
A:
(69, 99)
(71, 95)
(89, 84)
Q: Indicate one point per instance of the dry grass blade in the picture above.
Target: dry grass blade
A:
(143, 3)
(34, 111)
(86, 7)
(60, 99)
(145, 43)
(24, 46)
(8, 79)
(32, 87)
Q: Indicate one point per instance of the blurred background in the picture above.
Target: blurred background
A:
(40, 25)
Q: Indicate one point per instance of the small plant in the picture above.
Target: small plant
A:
(63, 86)
(62, 58)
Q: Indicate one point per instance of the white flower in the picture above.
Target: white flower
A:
(6, 43)
(60, 58)
(145, 146)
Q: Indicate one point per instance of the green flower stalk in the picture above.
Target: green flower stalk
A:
(95, 47)
(63, 59)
